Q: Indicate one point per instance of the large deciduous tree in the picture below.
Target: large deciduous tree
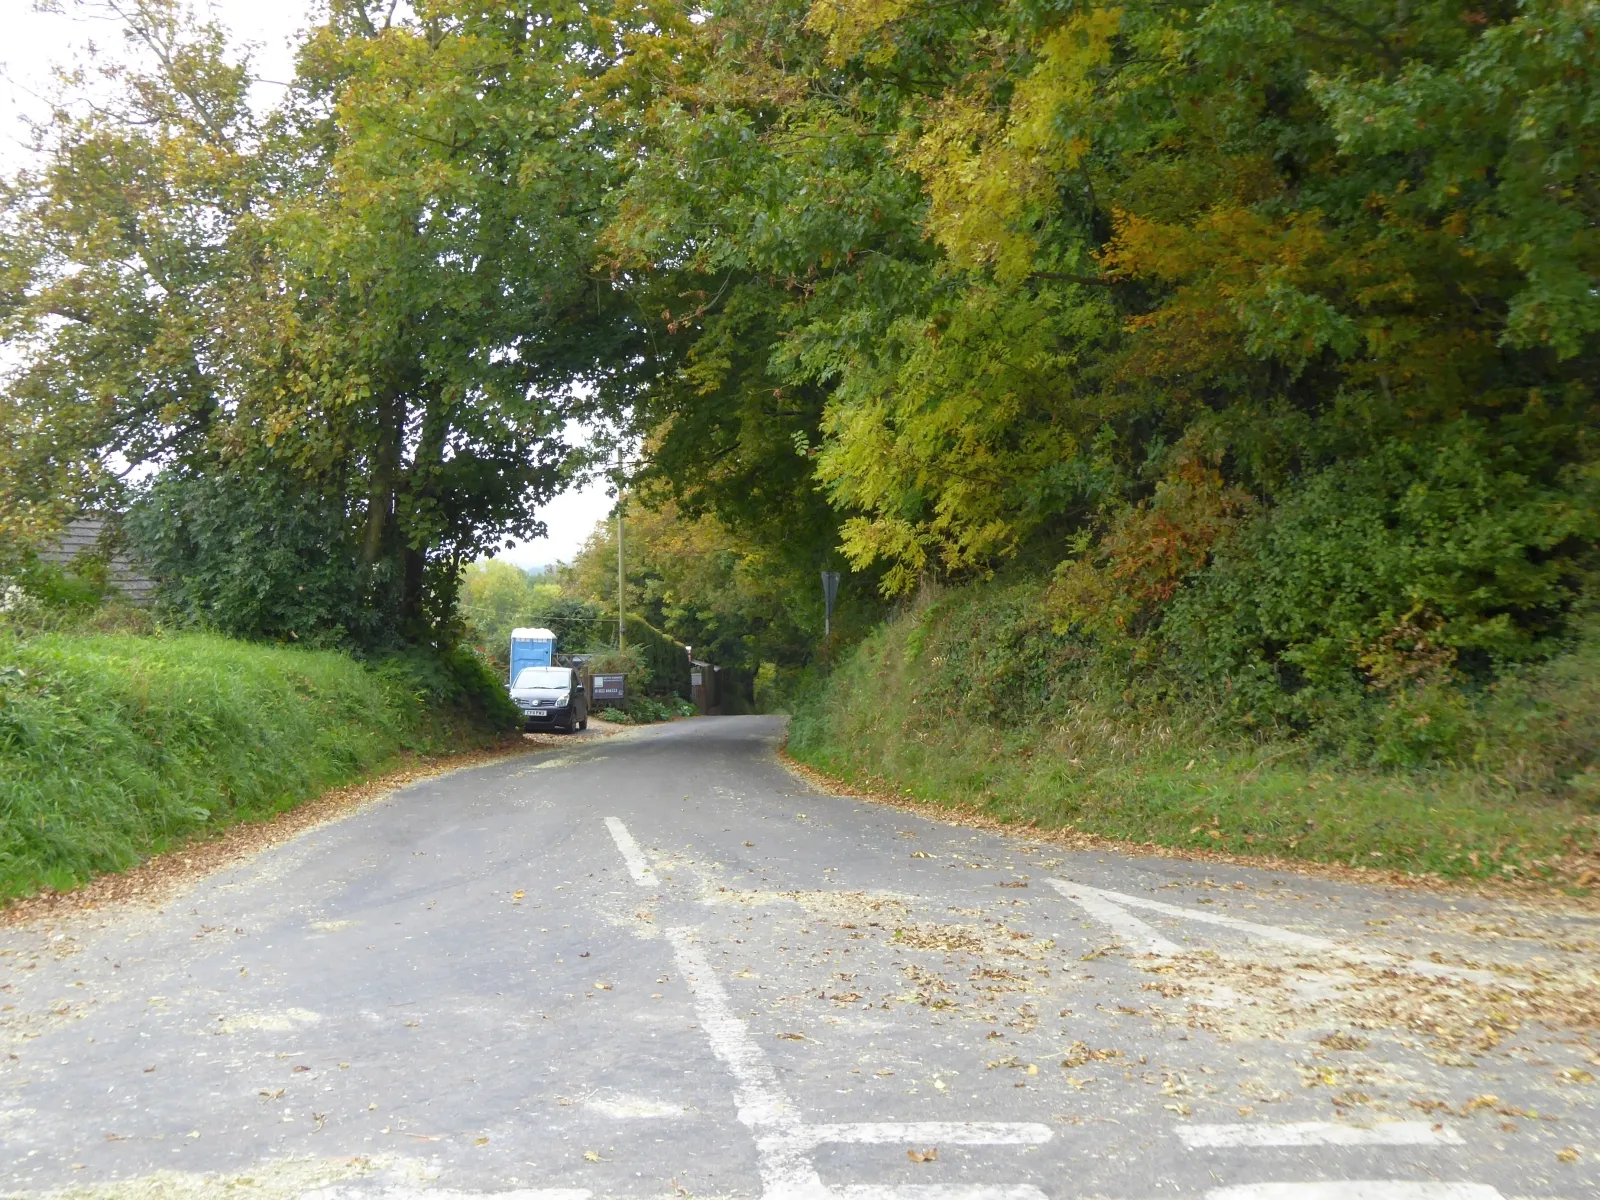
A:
(381, 289)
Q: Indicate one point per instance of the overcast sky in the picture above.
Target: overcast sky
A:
(34, 42)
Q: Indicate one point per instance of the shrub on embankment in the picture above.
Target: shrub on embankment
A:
(113, 747)
(977, 698)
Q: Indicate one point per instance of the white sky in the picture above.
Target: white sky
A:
(34, 42)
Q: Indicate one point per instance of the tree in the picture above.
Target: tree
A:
(437, 301)
(126, 261)
(380, 292)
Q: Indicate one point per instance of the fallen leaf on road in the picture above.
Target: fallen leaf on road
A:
(920, 854)
(603, 987)
(483, 1141)
(1181, 1109)
(272, 1095)
(300, 1067)
(1079, 1053)
(518, 894)
(1567, 1154)
(928, 1155)
(592, 1156)
(793, 1037)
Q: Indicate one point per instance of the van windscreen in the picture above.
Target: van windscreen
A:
(544, 677)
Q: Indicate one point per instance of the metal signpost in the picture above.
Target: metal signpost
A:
(830, 589)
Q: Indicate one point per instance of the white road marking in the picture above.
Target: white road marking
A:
(783, 1140)
(937, 1191)
(1138, 934)
(1357, 1189)
(1301, 941)
(622, 1108)
(1107, 906)
(786, 1169)
(631, 854)
(950, 1133)
(1317, 1133)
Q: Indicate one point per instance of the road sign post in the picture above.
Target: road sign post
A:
(830, 589)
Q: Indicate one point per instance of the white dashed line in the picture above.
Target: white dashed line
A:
(631, 854)
(1317, 1133)
(1357, 1189)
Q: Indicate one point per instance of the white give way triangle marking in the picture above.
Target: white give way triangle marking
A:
(783, 1141)
(1111, 908)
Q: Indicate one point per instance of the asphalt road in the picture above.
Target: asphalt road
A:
(659, 965)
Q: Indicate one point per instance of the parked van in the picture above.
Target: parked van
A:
(551, 698)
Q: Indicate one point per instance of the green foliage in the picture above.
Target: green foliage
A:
(456, 682)
(731, 599)
(259, 554)
(380, 288)
(115, 747)
(497, 597)
(666, 662)
(1430, 561)
(974, 700)
(644, 710)
(75, 587)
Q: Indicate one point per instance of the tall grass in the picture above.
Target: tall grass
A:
(112, 747)
(950, 704)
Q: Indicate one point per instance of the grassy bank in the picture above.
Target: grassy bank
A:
(972, 701)
(113, 747)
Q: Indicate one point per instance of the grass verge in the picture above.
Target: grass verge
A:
(114, 748)
(881, 722)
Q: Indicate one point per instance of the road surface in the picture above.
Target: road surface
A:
(660, 965)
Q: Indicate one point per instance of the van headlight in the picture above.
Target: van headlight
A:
(561, 700)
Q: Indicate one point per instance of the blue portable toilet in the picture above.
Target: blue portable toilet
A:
(530, 648)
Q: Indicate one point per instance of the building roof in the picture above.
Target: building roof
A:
(87, 536)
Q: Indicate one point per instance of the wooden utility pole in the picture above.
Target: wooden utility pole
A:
(622, 632)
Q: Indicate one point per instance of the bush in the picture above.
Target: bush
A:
(643, 710)
(455, 684)
(1422, 567)
(259, 554)
(972, 698)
